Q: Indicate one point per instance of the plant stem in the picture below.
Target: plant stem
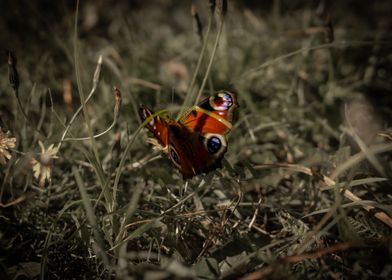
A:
(211, 59)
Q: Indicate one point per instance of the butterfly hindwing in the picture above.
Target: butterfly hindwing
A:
(200, 153)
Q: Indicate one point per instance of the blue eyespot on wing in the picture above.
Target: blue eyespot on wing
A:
(213, 144)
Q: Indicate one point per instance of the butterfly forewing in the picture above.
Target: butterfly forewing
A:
(157, 125)
(212, 115)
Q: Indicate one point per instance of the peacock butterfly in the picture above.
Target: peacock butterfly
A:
(196, 143)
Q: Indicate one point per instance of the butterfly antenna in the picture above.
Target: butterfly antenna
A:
(172, 99)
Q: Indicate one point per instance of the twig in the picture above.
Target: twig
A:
(253, 71)
(13, 202)
(372, 243)
(144, 83)
(380, 215)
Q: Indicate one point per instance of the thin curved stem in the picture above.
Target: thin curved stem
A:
(93, 89)
(251, 72)
(116, 110)
(189, 95)
(211, 59)
(124, 157)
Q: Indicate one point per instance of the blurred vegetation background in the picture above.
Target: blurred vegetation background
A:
(305, 189)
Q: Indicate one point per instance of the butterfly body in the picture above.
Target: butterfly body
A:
(196, 143)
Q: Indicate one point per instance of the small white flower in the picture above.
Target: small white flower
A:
(42, 165)
(6, 143)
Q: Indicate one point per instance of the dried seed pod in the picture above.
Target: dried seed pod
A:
(12, 72)
(212, 4)
(67, 95)
(117, 96)
(329, 32)
(197, 26)
(222, 7)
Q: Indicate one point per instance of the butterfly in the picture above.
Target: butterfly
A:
(196, 143)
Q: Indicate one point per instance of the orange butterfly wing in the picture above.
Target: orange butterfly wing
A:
(157, 125)
(212, 115)
(194, 153)
(196, 143)
(207, 124)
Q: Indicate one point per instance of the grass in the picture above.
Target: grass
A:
(304, 191)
